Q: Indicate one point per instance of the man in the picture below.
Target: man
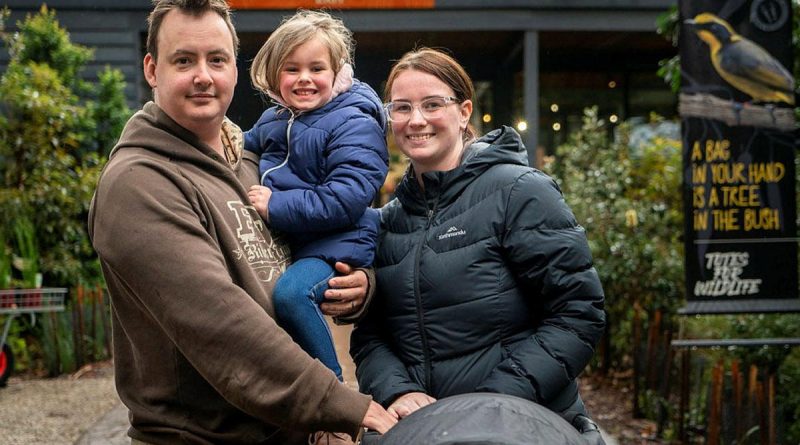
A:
(190, 266)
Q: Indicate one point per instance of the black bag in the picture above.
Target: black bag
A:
(480, 419)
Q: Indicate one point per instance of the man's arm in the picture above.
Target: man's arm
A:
(146, 219)
(349, 294)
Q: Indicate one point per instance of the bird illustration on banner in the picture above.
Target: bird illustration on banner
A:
(743, 63)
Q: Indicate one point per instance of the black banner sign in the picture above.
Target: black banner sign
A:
(736, 106)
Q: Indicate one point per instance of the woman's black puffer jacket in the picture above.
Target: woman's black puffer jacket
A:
(485, 283)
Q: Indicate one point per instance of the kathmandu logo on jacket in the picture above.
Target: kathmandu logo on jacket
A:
(451, 232)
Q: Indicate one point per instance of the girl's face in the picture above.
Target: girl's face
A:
(306, 77)
(431, 143)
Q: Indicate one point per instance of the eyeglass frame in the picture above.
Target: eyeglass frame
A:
(447, 101)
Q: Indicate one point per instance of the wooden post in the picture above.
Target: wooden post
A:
(637, 337)
(760, 393)
(664, 389)
(77, 326)
(771, 418)
(652, 341)
(54, 326)
(684, 398)
(715, 411)
(737, 384)
(753, 396)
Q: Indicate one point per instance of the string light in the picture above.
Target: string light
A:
(522, 125)
(487, 118)
(554, 108)
(556, 126)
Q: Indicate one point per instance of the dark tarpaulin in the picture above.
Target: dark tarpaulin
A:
(481, 418)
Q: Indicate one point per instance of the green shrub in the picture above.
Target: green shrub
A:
(56, 129)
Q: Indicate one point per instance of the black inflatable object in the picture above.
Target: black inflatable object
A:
(481, 419)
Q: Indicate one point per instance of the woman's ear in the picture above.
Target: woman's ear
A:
(466, 112)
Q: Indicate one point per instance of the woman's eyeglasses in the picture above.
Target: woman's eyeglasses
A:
(431, 108)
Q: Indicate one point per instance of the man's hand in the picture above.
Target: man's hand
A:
(408, 403)
(259, 197)
(378, 419)
(346, 293)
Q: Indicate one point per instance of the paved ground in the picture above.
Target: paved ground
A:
(55, 411)
(112, 428)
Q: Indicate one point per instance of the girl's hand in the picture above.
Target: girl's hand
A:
(259, 197)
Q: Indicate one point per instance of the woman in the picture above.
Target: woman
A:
(485, 281)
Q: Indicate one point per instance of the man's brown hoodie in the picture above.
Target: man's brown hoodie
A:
(190, 268)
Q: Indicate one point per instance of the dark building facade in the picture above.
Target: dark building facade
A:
(534, 61)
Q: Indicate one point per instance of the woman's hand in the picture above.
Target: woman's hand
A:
(346, 293)
(408, 403)
(378, 419)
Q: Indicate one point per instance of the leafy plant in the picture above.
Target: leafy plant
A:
(56, 129)
(5, 262)
(667, 25)
(28, 261)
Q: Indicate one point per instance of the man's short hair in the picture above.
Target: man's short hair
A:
(191, 7)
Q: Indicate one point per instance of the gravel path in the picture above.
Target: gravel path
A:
(83, 409)
(55, 411)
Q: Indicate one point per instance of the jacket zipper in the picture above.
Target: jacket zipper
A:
(418, 297)
(288, 147)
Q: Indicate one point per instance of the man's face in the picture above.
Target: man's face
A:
(195, 74)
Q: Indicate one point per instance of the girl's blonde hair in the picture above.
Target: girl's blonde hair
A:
(293, 32)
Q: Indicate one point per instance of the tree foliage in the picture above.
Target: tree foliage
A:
(55, 129)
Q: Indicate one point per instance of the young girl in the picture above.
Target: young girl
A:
(323, 159)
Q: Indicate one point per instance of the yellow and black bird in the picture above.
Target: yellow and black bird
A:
(742, 63)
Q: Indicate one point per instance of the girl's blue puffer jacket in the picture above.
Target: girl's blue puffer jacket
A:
(325, 168)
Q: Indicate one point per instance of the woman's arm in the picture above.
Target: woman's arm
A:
(548, 252)
(380, 371)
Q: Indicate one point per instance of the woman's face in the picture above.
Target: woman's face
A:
(432, 144)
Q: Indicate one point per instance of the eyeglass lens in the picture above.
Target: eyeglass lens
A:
(401, 111)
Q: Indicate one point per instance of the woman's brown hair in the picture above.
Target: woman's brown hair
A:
(441, 65)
